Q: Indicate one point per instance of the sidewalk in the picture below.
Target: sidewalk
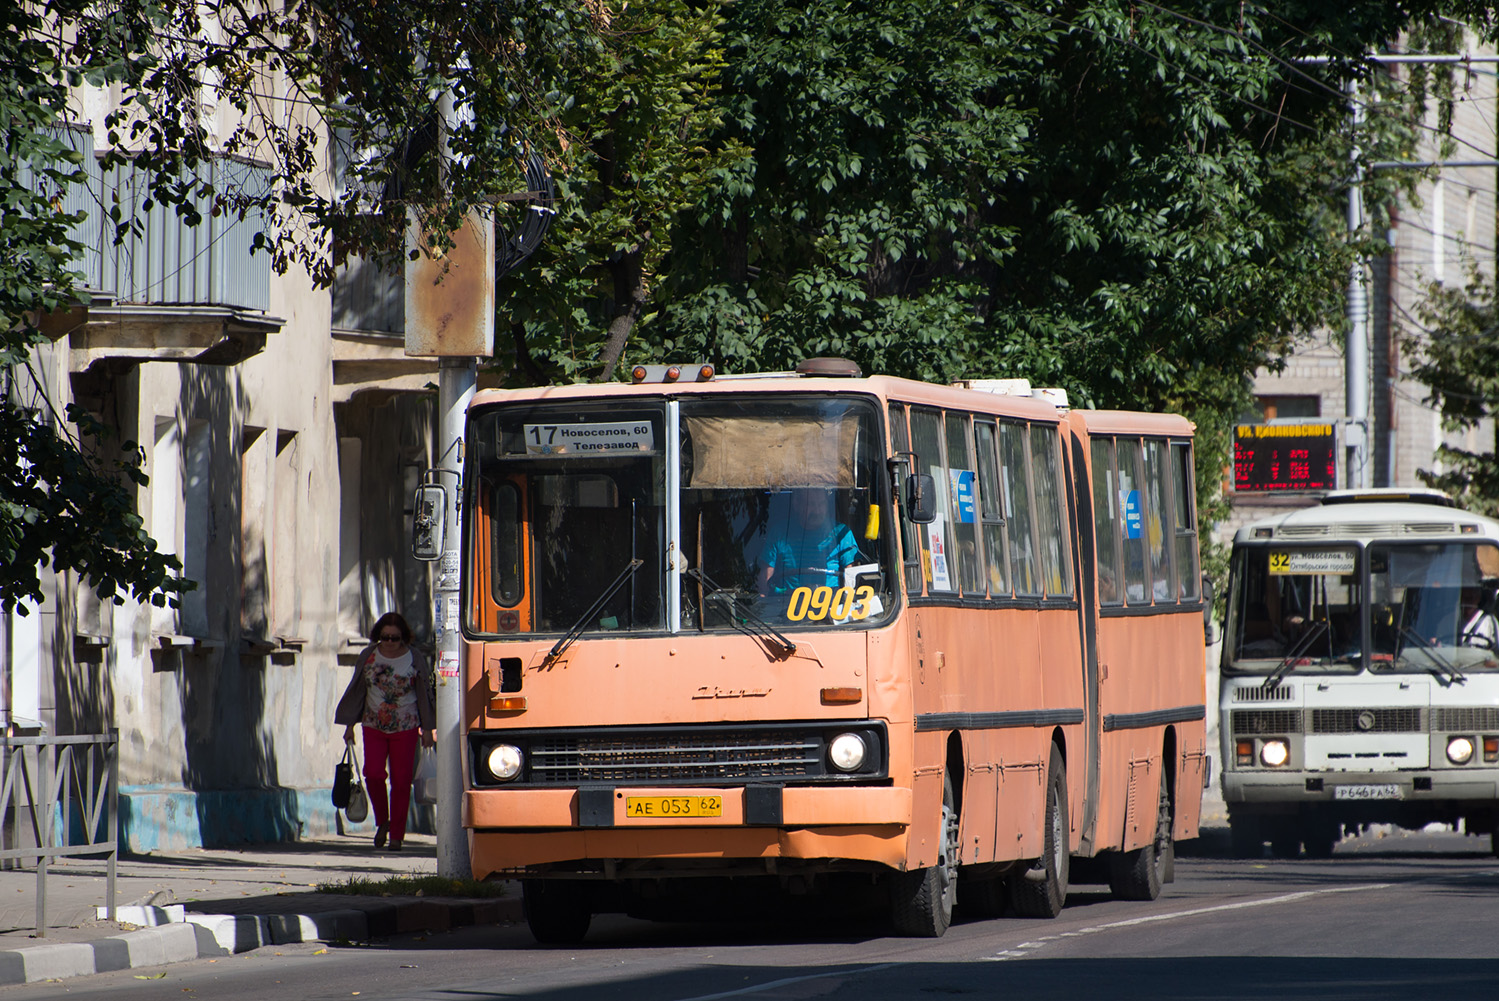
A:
(177, 906)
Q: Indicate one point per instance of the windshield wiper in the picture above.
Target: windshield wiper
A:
(1440, 667)
(1302, 645)
(751, 624)
(598, 603)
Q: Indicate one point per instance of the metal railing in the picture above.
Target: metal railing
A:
(52, 781)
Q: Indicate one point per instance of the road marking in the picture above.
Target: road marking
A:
(1026, 948)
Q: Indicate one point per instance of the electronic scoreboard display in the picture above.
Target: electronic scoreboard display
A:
(1271, 457)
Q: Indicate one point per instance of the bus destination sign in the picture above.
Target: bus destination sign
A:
(1271, 457)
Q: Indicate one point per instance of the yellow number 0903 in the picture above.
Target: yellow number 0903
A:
(822, 602)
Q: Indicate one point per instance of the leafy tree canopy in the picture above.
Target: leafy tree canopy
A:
(287, 78)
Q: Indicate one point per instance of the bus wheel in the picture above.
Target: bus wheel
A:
(921, 902)
(1041, 890)
(1319, 838)
(1138, 874)
(1245, 837)
(558, 910)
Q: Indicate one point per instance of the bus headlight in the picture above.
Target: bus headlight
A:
(1274, 753)
(1460, 750)
(504, 761)
(847, 752)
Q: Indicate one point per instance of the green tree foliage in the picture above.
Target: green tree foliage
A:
(367, 74)
(60, 501)
(637, 154)
(1458, 361)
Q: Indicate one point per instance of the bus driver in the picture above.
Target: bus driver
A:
(814, 549)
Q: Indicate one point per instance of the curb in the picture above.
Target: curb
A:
(173, 936)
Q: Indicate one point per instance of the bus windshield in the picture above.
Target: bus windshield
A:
(1432, 607)
(781, 513)
(777, 517)
(1295, 610)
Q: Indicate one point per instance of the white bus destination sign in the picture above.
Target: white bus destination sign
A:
(589, 439)
(1311, 561)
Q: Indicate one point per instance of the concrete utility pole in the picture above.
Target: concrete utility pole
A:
(450, 314)
(1356, 353)
(1357, 375)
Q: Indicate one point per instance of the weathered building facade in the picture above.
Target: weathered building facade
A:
(284, 428)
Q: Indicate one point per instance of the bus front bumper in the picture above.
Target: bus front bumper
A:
(512, 829)
(1475, 785)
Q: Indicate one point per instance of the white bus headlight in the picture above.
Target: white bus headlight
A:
(1460, 750)
(504, 761)
(847, 752)
(1274, 753)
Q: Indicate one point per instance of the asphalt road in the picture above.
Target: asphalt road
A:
(1404, 916)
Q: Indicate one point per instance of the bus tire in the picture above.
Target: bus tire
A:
(1319, 838)
(1041, 890)
(921, 901)
(1246, 839)
(558, 911)
(1139, 873)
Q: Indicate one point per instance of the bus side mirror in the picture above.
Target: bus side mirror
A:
(1209, 635)
(921, 498)
(429, 522)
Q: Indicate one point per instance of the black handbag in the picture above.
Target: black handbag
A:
(343, 778)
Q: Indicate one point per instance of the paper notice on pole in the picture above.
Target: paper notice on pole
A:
(447, 663)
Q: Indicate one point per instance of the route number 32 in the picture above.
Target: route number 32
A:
(815, 603)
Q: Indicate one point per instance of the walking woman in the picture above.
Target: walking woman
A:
(391, 694)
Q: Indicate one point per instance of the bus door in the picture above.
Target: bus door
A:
(1080, 497)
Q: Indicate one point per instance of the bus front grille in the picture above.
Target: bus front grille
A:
(1253, 722)
(1465, 719)
(644, 759)
(1406, 719)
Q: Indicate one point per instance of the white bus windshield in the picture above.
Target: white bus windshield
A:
(1295, 609)
(1432, 607)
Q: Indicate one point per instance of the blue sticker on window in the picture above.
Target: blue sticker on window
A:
(1129, 500)
(962, 491)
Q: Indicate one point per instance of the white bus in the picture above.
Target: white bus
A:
(1360, 681)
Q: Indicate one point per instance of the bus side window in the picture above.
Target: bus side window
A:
(900, 441)
(937, 555)
(1056, 567)
(1106, 521)
(960, 475)
(1159, 524)
(1185, 485)
(1015, 473)
(1132, 522)
(993, 513)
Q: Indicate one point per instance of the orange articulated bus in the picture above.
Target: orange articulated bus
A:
(815, 630)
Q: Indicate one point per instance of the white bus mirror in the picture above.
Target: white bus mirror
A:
(429, 521)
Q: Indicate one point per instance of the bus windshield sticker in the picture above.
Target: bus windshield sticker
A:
(1129, 501)
(590, 439)
(962, 491)
(1311, 561)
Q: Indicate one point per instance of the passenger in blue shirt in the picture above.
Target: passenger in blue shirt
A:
(814, 549)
